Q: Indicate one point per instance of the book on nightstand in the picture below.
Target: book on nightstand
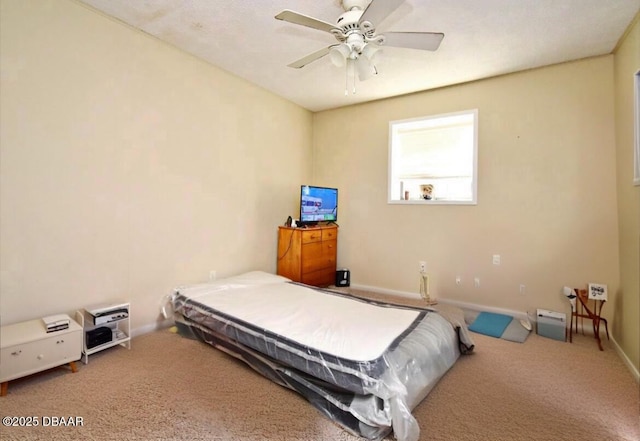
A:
(56, 322)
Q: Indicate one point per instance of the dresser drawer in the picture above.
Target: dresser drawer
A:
(35, 356)
(324, 277)
(310, 236)
(318, 255)
(329, 234)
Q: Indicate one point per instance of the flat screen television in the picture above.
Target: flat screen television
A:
(318, 204)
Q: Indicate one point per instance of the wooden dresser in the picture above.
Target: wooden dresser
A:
(308, 255)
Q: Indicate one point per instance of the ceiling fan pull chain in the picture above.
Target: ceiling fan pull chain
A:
(354, 82)
(346, 80)
(351, 71)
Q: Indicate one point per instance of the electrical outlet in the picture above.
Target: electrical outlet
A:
(458, 280)
(212, 275)
(523, 289)
(423, 266)
(476, 282)
(496, 259)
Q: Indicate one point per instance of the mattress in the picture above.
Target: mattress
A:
(364, 364)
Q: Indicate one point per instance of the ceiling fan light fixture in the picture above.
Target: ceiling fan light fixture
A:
(339, 54)
(371, 52)
(365, 69)
(359, 45)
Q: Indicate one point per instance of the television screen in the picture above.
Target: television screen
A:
(318, 204)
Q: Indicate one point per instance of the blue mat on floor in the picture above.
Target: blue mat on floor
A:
(489, 323)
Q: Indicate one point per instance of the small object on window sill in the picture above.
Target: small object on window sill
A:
(427, 191)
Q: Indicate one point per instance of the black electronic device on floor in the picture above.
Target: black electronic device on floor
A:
(99, 336)
(343, 277)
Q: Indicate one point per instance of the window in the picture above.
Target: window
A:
(434, 159)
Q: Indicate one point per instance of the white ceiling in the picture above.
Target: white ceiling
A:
(483, 38)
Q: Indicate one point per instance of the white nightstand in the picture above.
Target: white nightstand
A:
(119, 328)
(27, 348)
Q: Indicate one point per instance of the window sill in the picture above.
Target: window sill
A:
(430, 202)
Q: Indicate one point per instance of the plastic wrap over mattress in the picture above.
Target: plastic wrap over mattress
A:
(364, 364)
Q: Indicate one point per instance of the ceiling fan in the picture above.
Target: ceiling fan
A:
(358, 42)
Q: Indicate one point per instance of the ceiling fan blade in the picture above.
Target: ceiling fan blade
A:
(378, 10)
(426, 41)
(304, 20)
(310, 58)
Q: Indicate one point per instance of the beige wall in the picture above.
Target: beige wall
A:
(128, 167)
(546, 193)
(627, 308)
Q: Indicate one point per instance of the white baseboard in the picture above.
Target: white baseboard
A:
(151, 327)
(626, 360)
(461, 305)
(480, 308)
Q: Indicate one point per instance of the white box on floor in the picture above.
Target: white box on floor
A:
(552, 324)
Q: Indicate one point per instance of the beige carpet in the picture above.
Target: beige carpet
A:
(171, 388)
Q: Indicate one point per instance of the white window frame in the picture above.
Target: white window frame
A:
(393, 185)
(636, 124)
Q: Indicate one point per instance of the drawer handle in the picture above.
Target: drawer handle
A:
(59, 341)
(17, 352)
